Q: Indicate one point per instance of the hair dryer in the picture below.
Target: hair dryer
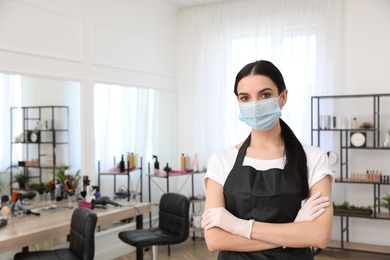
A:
(104, 201)
(27, 195)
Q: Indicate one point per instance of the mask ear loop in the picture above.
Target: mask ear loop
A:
(278, 101)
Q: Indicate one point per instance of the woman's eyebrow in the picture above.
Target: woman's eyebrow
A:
(265, 89)
(261, 91)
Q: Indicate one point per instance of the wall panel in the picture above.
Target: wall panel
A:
(119, 48)
(37, 30)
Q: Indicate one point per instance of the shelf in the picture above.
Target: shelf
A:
(348, 180)
(119, 173)
(113, 173)
(353, 96)
(383, 216)
(347, 129)
(361, 247)
(175, 174)
(197, 200)
(365, 148)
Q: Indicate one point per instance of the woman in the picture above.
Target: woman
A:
(254, 191)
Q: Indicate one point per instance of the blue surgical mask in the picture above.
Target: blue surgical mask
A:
(261, 115)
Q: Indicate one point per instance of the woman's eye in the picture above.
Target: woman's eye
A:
(265, 95)
(244, 99)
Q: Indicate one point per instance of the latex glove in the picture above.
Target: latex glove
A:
(220, 217)
(313, 208)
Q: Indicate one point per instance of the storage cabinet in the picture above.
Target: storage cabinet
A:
(39, 141)
(133, 191)
(368, 140)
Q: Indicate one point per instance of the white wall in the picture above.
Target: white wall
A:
(366, 41)
(365, 70)
(128, 42)
(366, 64)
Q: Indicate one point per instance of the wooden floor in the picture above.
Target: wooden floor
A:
(194, 250)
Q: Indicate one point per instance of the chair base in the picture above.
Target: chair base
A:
(154, 252)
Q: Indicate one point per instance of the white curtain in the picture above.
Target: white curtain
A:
(120, 122)
(122, 126)
(10, 96)
(301, 37)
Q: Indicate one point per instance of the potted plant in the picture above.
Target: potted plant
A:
(61, 174)
(385, 202)
(61, 177)
(39, 187)
(346, 208)
(17, 176)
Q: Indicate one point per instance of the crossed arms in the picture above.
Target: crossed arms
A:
(312, 227)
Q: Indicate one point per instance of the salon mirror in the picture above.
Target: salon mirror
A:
(31, 91)
(134, 119)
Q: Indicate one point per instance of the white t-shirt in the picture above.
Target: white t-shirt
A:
(221, 163)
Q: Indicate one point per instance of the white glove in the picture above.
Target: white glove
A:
(312, 208)
(220, 217)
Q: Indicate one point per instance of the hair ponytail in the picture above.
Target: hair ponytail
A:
(296, 163)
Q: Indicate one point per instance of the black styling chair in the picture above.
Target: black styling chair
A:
(173, 227)
(81, 240)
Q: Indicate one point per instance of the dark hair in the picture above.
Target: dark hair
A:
(295, 154)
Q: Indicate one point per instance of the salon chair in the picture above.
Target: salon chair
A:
(81, 240)
(173, 227)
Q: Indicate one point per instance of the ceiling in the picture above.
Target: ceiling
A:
(187, 3)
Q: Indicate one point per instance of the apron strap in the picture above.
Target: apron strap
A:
(242, 152)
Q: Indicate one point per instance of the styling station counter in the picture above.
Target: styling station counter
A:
(22, 232)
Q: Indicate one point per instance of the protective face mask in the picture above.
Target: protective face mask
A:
(260, 115)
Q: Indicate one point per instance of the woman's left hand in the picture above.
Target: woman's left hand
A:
(220, 217)
(313, 208)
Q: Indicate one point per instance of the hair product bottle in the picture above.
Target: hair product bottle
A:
(195, 163)
(183, 162)
(122, 165)
(167, 169)
(132, 161)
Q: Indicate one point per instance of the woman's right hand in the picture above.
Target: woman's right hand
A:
(313, 208)
(222, 218)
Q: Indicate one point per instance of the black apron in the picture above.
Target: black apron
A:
(268, 196)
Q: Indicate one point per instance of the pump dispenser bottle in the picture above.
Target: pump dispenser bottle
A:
(156, 163)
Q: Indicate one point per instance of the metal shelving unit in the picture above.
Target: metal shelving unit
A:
(37, 131)
(131, 191)
(345, 159)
